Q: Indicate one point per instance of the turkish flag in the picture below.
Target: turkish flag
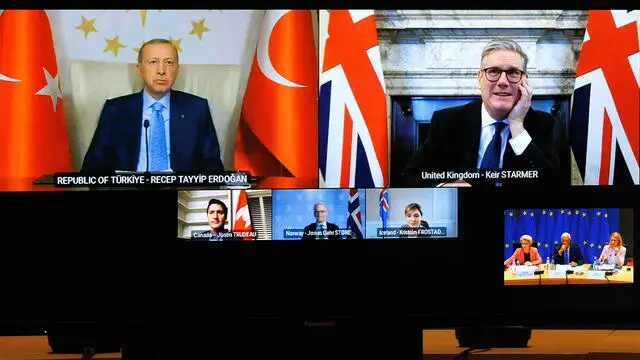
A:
(33, 130)
(241, 215)
(277, 137)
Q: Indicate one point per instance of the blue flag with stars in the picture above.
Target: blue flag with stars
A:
(510, 232)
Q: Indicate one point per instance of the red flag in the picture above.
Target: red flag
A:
(33, 130)
(605, 131)
(241, 215)
(277, 137)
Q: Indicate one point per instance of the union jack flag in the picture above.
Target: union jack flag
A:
(354, 221)
(384, 206)
(352, 103)
(605, 113)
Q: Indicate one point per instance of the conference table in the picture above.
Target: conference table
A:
(437, 344)
(624, 276)
(545, 344)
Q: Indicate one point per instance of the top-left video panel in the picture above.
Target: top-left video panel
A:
(167, 99)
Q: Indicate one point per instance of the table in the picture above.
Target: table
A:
(543, 345)
(436, 345)
(624, 276)
(37, 348)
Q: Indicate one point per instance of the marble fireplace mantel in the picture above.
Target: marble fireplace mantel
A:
(437, 52)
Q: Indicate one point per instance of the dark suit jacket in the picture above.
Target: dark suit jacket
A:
(116, 141)
(574, 255)
(423, 225)
(312, 227)
(454, 139)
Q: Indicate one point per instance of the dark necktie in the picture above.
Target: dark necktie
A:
(321, 235)
(491, 158)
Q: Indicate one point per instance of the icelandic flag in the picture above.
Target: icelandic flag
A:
(384, 206)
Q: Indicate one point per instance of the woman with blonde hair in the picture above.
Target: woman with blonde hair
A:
(526, 254)
(614, 252)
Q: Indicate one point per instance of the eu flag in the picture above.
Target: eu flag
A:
(527, 223)
(510, 232)
(545, 232)
(598, 234)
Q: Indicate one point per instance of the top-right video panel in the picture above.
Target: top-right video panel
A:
(511, 98)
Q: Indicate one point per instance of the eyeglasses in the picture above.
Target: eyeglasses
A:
(493, 74)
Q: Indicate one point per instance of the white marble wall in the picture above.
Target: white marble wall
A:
(437, 52)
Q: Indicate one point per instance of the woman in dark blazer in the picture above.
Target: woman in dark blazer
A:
(413, 215)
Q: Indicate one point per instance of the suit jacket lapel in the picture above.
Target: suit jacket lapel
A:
(174, 128)
(472, 122)
(135, 129)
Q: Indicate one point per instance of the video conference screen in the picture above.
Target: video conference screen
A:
(322, 140)
(168, 109)
(317, 214)
(568, 246)
(336, 140)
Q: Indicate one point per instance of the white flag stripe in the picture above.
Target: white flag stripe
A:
(376, 61)
(634, 62)
(612, 157)
(339, 88)
(357, 15)
(622, 17)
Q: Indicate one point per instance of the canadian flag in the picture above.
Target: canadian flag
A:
(277, 137)
(241, 215)
(33, 130)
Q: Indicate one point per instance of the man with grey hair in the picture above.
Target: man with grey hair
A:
(566, 252)
(321, 229)
(156, 129)
(499, 134)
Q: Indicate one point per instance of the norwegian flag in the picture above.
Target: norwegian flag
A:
(354, 221)
(241, 215)
(352, 106)
(605, 112)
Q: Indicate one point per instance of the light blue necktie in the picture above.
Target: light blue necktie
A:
(158, 147)
(566, 257)
(491, 157)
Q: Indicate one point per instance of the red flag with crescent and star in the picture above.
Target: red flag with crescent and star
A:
(277, 138)
(33, 130)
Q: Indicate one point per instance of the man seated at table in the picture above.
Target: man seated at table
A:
(526, 254)
(567, 253)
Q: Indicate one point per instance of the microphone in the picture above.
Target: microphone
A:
(146, 140)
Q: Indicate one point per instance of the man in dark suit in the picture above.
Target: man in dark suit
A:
(321, 229)
(217, 212)
(177, 126)
(567, 253)
(498, 132)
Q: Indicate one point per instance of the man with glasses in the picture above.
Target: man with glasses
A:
(321, 229)
(497, 135)
(157, 129)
